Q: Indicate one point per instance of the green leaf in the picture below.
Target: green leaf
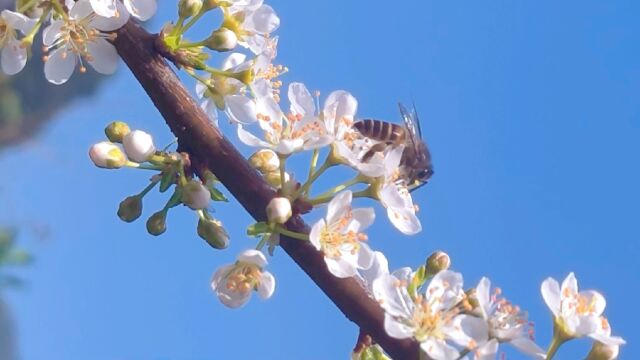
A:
(168, 179)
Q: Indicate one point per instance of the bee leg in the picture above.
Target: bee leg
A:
(379, 147)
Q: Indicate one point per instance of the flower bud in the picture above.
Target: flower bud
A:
(138, 145)
(130, 209)
(195, 195)
(273, 178)
(213, 233)
(157, 223)
(107, 155)
(116, 131)
(279, 210)
(210, 4)
(437, 262)
(189, 8)
(600, 351)
(265, 161)
(222, 39)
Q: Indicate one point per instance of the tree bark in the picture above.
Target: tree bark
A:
(209, 148)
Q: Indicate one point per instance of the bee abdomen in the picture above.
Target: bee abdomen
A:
(380, 130)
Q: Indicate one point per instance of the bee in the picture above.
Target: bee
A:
(416, 158)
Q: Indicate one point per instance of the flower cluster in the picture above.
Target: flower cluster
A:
(136, 149)
(78, 32)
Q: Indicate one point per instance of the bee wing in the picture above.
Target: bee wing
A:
(412, 124)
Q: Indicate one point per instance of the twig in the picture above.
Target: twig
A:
(209, 149)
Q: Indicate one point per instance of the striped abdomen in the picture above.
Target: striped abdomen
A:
(387, 132)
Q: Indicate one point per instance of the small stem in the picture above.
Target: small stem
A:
(59, 9)
(134, 165)
(27, 6)
(554, 346)
(186, 44)
(344, 185)
(304, 189)
(314, 162)
(263, 241)
(325, 199)
(283, 160)
(146, 190)
(191, 22)
(292, 234)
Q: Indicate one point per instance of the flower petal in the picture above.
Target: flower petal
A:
(241, 109)
(396, 329)
(106, 8)
(314, 234)
(59, 66)
(263, 20)
(439, 350)
(250, 139)
(364, 216)
(550, 290)
(527, 346)
(338, 206)
(14, 57)
(342, 267)
(109, 23)
(301, 100)
(404, 220)
(484, 297)
(141, 9)
(252, 256)
(104, 56)
(487, 351)
(52, 32)
(267, 285)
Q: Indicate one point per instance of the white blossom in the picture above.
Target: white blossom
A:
(339, 236)
(507, 323)
(432, 318)
(80, 36)
(195, 195)
(252, 21)
(283, 134)
(14, 53)
(578, 314)
(279, 210)
(234, 283)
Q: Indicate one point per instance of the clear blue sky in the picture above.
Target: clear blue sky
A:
(532, 112)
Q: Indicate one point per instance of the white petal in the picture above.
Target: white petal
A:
(264, 20)
(364, 216)
(404, 220)
(59, 66)
(341, 267)
(446, 286)
(340, 104)
(439, 350)
(233, 60)
(301, 99)
(550, 290)
(483, 295)
(608, 340)
(268, 107)
(596, 301)
(211, 110)
(487, 351)
(365, 257)
(84, 8)
(110, 23)
(468, 330)
(233, 299)
(288, 146)
(570, 283)
(392, 160)
(241, 109)
(338, 206)
(250, 139)
(219, 276)
(19, 21)
(396, 329)
(200, 89)
(252, 256)
(142, 9)
(52, 32)
(106, 8)
(529, 347)
(390, 196)
(267, 285)
(14, 57)
(314, 234)
(394, 299)
(105, 56)
(379, 267)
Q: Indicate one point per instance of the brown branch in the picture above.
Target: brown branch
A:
(209, 147)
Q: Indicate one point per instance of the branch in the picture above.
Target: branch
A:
(209, 148)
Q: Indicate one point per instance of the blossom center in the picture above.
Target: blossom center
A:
(243, 278)
(336, 238)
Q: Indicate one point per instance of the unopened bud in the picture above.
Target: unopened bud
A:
(213, 233)
(279, 210)
(195, 195)
(107, 155)
(273, 178)
(138, 145)
(210, 4)
(157, 223)
(189, 8)
(222, 39)
(437, 262)
(130, 208)
(265, 161)
(116, 131)
(600, 351)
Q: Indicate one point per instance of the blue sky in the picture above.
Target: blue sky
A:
(533, 117)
